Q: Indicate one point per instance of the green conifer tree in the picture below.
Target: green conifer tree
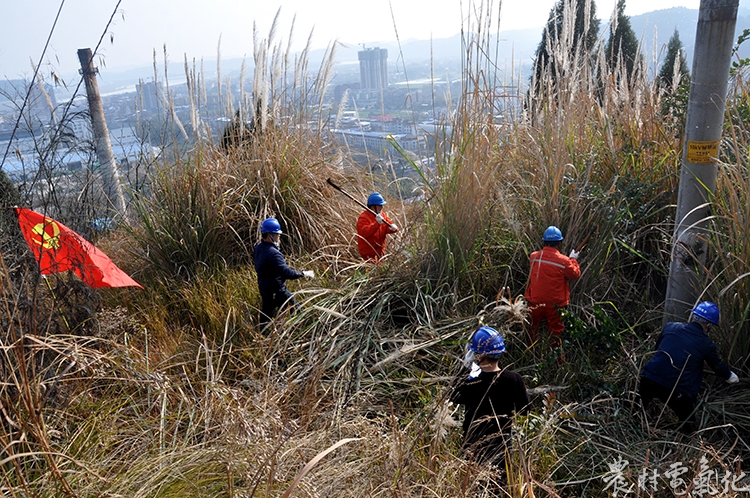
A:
(622, 44)
(584, 36)
(675, 59)
(674, 81)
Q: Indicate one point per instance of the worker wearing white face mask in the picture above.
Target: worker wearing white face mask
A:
(492, 396)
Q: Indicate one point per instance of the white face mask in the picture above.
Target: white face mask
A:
(469, 358)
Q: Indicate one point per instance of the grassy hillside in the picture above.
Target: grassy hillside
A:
(171, 391)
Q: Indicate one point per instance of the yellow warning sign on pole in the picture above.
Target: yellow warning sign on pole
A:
(702, 152)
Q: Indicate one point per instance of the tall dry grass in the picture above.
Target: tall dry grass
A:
(111, 413)
(170, 391)
(593, 160)
(380, 343)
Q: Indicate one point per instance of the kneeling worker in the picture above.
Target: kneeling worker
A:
(675, 373)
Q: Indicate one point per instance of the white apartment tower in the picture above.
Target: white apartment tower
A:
(373, 68)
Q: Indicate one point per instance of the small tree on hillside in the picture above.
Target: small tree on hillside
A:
(571, 32)
(622, 46)
(674, 82)
(674, 69)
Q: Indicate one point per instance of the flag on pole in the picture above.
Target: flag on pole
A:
(57, 248)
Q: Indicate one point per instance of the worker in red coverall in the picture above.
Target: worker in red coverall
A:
(372, 227)
(549, 285)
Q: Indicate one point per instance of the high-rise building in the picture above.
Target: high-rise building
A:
(373, 68)
(40, 101)
(150, 95)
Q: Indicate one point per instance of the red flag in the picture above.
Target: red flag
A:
(57, 248)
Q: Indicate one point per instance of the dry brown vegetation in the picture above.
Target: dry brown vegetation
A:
(170, 391)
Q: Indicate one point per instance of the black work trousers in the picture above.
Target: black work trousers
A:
(682, 404)
(270, 304)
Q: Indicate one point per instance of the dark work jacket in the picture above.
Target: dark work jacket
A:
(681, 350)
(490, 399)
(272, 269)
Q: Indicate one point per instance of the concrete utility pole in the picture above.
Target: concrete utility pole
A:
(714, 38)
(112, 187)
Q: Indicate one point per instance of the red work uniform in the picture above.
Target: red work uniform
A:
(549, 289)
(371, 235)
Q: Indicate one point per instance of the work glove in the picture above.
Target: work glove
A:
(308, 274)
(574, 254)
(733, 379)
(379, 218)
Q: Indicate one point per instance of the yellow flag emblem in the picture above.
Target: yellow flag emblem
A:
(46, 234)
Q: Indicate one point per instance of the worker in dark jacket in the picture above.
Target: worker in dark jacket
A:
(372, 227)
(273, 273)
(548, 291)
(492, 396)
(675, 373)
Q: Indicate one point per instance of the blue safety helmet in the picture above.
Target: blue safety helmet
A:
(487, 341)
(708, 311)
(552, 234)
(270, 225)
(375, 199)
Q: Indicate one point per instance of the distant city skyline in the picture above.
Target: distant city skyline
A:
(197, 28)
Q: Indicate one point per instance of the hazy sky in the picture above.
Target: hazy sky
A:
(193, 27)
